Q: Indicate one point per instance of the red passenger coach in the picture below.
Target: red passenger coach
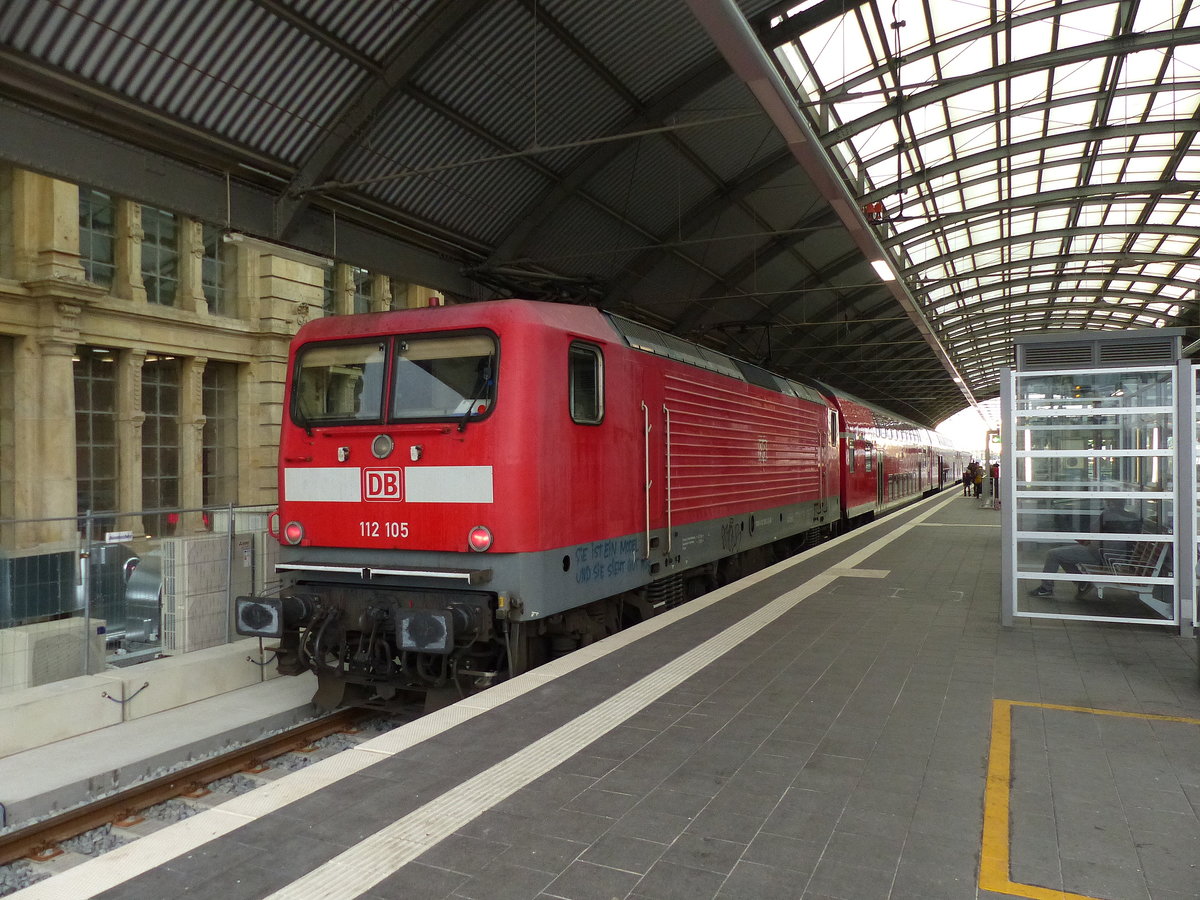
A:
(887, 461)
(466, 491)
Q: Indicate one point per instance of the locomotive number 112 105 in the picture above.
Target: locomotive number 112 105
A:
(383, 529)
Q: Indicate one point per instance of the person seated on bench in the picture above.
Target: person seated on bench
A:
(1114, 518)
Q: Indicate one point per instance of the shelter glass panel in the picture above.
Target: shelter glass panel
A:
(1093, 505)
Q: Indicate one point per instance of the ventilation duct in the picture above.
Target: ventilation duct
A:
(1075, 350)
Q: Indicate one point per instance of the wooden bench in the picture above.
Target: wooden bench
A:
(1133, 562)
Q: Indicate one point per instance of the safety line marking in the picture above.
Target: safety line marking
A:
(961, 524)
(124, 863)
(994, 861)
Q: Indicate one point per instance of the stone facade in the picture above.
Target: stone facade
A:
(50, 311)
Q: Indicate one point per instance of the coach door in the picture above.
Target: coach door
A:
(880, 478)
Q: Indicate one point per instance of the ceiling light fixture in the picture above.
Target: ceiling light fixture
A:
(883, 269)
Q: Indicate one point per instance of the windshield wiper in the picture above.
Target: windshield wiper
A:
(303, 422)
(480, 391)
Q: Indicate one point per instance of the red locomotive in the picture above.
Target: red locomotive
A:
(467, 491)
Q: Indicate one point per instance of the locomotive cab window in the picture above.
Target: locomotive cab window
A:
(339, 382)
(586, 376)
(443, 376)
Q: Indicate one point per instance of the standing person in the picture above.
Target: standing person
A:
(979, 470)
(968, 479)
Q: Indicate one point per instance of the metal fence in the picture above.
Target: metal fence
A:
(99, 590)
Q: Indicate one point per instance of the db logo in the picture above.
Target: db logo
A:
(381, 484)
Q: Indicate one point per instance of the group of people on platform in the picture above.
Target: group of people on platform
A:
(973, 475)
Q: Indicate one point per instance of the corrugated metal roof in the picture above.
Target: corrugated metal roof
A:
(716, 230)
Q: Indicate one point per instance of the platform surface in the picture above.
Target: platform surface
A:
(853, 723)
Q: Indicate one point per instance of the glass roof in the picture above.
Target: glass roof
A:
(1035, 159)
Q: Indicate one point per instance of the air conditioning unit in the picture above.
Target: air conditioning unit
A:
(49, 651)
(195, 591)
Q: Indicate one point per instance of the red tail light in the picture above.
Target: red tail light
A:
(293, 532)
(479, 539)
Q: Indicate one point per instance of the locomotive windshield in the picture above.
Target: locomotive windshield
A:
(432, 377)
(441, 376)
(340, 382)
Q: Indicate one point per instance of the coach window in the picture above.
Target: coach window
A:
(586, 373)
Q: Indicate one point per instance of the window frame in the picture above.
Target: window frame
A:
(97, 271)
(596, 353)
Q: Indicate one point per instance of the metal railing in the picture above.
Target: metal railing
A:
(100, 590)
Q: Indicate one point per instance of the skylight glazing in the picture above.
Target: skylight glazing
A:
(1026, 150)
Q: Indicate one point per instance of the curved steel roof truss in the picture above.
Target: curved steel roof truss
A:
(1033, 161)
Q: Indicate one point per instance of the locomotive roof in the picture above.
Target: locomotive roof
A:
(583, 321)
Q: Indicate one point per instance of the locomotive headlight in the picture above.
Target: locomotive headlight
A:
(479, 539)
(293, 532)
(382, 446)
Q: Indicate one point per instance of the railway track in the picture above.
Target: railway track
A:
(39, 849)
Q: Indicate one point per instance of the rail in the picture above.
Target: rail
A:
(39, 841)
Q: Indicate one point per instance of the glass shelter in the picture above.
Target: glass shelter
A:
(1098, 479)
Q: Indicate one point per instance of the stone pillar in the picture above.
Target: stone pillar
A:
(27, 429)
(128, 281)
(45, 235)
(58, 231)
(381, 293)
(191, 446)
(54, 469)
(43, 419)
(191, 266)
(288, 294)
(7, 220)
(130, 419)
(260, 413)
(343, 290)
(418, 296)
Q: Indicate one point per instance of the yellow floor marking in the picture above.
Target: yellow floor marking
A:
(994, 856)
(843, 572)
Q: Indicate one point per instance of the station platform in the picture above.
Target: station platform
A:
(852, 723)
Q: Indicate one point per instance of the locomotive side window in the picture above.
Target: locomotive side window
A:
(340, 382)
(443, 376)
(586, 373)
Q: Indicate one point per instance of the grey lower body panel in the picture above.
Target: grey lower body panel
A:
(552, 581)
